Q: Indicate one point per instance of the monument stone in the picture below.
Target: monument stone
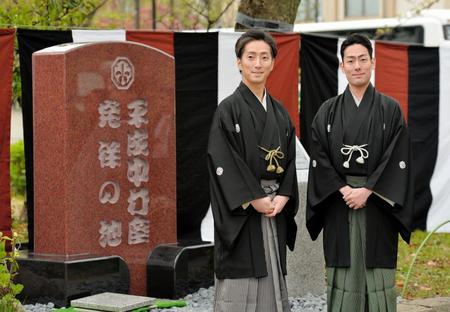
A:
(104, 152)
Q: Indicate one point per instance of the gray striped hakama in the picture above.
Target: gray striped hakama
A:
(266, 294)
(357, 288)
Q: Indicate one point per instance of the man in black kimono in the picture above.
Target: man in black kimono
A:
(253, 183)
(359, 187)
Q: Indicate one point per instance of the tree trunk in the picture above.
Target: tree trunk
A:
(274, 15)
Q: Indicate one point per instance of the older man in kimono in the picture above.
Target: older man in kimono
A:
(359, 188)
(254, 196)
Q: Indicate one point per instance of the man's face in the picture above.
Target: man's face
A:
(256, 62)
(357, 65)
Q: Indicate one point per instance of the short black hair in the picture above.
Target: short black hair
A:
(357, 39)
(254, 35)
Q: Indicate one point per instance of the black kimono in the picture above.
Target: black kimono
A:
(236, 165)
(376, 134)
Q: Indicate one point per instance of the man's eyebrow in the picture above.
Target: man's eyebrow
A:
(255, 52)
(358, 56)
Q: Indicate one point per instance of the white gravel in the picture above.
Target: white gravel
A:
(202, 301)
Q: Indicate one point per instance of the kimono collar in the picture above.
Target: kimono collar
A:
(253, 101)
(367, 97)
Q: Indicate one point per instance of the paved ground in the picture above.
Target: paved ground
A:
(426, 305)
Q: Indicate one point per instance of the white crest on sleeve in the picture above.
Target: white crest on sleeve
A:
(329, 128)
(402, 165)
(219, 171)
(314, 163)
(238, 128)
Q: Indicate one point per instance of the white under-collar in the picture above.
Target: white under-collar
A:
(264, 100)
(357, 101)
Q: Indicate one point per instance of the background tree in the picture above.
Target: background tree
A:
(210, 10)
(170, 14)
(270, 15)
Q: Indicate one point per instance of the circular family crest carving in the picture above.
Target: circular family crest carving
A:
(122, 73)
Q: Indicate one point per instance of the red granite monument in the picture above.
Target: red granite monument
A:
(104, 152)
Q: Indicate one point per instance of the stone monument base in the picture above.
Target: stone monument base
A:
(175, 270)
(60, 279)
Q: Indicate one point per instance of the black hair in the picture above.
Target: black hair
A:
(253, 35)
(356, 39)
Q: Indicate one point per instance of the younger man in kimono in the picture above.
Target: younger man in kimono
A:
(359, 188)
(254, 196)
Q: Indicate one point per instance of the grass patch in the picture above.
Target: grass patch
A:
(430, 275)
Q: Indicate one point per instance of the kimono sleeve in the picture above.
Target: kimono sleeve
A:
(228, 170)
(231, 181)
(288, 184)
(289, 187)
(392, 178)
(323, 179)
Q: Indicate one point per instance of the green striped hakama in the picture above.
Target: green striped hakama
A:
(357, 288)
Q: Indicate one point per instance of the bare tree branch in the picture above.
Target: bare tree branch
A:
(197, 10)
(224, 10)
(91, 15)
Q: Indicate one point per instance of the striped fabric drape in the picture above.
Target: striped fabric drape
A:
(206, 73)
(6, 64)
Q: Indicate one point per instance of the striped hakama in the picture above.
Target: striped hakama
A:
(357, 288)
(266, 294)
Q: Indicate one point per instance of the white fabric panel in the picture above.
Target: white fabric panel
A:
(228, 80)
(228, 73)
(207, 226)
(372, 79)
(439, 211)
(301, 162)
(82, 35)
(342, 80)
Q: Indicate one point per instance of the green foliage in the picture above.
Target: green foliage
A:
(48, 13)
(44, 14)
(8, 270)
(17, 169)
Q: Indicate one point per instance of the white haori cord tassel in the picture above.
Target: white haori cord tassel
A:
(349, 149)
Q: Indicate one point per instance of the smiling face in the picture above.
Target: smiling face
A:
(357, 65)
(256, 63)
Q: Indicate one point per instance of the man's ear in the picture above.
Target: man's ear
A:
(238, 63)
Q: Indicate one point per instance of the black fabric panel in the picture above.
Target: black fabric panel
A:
(423, 121)
(31, 41)
(319, 79)
(196, 61)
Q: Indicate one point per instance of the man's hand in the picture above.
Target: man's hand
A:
(345, 190)
(263, 205)
(357, 197)
(278, 203)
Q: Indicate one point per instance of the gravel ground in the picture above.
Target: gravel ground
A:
(202, 301)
